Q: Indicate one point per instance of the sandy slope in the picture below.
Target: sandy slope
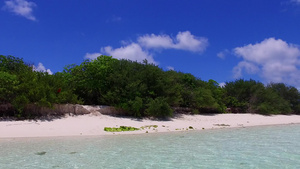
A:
(94, 123)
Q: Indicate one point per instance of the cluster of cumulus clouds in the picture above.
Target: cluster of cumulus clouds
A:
(274, 60)
(139, 51)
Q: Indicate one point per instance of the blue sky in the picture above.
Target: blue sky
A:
(212, 39)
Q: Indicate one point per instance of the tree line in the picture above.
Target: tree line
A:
(139, 89)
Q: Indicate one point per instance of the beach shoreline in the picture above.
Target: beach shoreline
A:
(93, 124)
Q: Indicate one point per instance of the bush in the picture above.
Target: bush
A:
(195, 111)
(133, 107)
(8, 87)
(266, 109)
(120, 129)
(159, 108)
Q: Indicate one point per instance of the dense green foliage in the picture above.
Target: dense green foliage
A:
(20, 86)
(253, 97)
(139, 89)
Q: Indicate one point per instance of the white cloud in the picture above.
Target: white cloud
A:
(132, 52)
(41, 68)
(250, 68)
(21, 7)
(170, 68)
(273, 59)
(187, 41)
(223, 54)
(156, 41)
(296, 1)
(114, 19)
(141, 50)
(184, 41)
(92, 56)
(222, 84)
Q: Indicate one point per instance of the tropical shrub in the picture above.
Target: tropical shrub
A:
(159, 108)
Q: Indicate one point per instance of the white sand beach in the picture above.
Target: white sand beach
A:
(93, 124)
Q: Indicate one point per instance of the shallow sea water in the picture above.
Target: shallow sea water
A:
(252, 147)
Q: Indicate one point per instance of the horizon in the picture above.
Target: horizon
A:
(214, 39)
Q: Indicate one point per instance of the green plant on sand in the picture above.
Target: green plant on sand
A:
(120, 129)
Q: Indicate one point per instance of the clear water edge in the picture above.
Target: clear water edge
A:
(252, 147)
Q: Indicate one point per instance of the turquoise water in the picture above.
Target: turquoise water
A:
(253, 147)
